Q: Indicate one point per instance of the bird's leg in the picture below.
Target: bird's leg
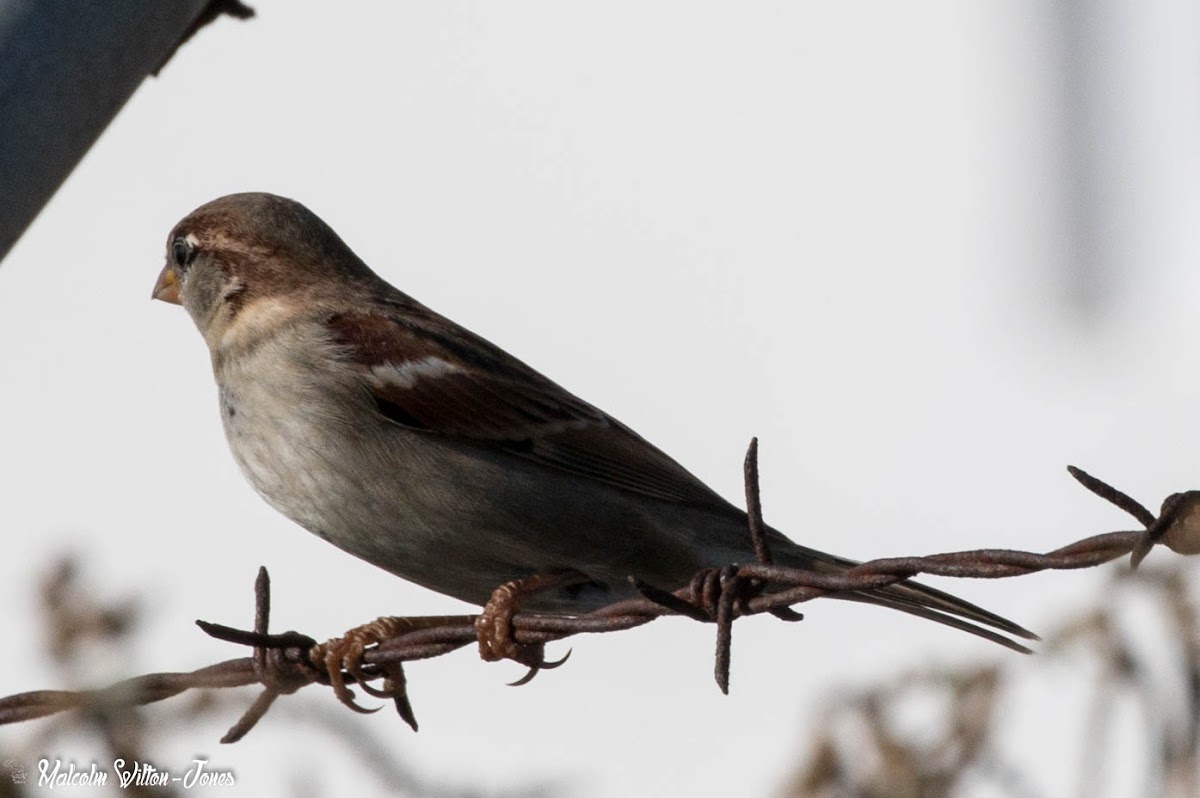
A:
(494, 624)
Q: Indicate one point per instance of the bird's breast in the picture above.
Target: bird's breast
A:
(304, 432)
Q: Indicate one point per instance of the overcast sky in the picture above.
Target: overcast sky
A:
(839, 227)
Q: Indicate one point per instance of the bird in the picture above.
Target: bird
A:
(412, 443)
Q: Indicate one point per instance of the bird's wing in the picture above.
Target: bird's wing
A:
(427, 373)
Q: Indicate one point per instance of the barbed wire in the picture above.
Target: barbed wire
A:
(284, 663)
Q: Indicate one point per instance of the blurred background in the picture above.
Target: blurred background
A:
(929, 252)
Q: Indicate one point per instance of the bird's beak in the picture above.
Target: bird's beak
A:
(167, 287)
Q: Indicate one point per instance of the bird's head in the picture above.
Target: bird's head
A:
(252, 251)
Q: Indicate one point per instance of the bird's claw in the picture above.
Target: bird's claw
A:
(534, 670)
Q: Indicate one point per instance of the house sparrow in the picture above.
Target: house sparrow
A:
(410, 442)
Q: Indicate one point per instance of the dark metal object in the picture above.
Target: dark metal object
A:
(66, 69)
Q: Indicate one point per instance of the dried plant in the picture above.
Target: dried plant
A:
(861, 753)
(76, 621)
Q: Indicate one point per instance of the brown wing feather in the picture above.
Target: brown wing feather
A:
(426, 373)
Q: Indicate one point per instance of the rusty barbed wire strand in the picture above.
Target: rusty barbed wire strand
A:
(137, 691)
(283, 663)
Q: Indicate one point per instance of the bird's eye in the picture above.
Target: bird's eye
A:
(183, 252)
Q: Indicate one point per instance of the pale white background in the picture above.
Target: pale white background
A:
(841, 227)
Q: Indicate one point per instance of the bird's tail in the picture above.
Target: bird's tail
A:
(911, 597)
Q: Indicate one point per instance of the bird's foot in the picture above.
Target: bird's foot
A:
(341, 659)
(494, 626)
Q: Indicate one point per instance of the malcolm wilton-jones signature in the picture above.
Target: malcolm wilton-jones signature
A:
(53, 773)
